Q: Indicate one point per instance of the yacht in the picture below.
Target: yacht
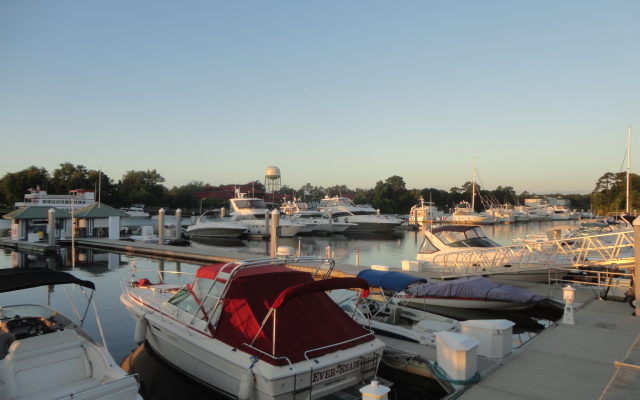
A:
(252, 213)
(76, 199)
(316, 221)
(44, 355)
(463, 213)
(211, 225)
(427, 211)
(136, 210)
(254, 329)
(342, 209)
(469, 248)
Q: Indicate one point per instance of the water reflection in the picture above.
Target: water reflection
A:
(161, 381)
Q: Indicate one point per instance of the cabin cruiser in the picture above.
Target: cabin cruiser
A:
(367, 219)
(211, 225)
(463, 213)
(255, 329)
(136, 210)
(467, 248)
(316, 221)
(44, 355)
(253, 214)
(427, 211)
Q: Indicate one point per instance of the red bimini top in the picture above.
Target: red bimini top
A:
(305, 321)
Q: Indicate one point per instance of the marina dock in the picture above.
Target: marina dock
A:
(597, 358)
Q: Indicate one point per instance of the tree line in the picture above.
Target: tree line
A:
(390, 196)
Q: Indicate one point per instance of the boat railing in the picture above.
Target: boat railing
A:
(594, 250)
(598, 279)
(268, 355)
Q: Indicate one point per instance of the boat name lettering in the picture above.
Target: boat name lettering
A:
(335, 371)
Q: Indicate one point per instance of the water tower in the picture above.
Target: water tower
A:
(272, 181)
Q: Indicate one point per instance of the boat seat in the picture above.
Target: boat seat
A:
(46, 367)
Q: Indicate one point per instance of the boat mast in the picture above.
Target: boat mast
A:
(628, 165)
(473, 188)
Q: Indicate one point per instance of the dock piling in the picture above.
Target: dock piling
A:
(275, 225)
(161, 226)
(178, 234)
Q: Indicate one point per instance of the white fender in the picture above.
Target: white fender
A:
(247, 381)
(140, 333)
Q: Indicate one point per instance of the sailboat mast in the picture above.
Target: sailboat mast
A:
(473, 188)
(628, 166)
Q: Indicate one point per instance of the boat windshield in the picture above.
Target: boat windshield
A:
(473, 237)
(249, 203)
(340, 201)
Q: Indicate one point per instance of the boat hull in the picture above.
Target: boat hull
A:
(222, 367)
(217, 232)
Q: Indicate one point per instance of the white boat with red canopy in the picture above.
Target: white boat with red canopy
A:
(256, 329)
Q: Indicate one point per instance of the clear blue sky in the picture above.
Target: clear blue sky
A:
(332, 92)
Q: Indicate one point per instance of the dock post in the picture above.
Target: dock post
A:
(568, 295)
(178, 224)
(52, 226)
(636, 269)
(266, 223)
(327, 252)
(275, 224)
(161, 226)
(357, 257)
(222, 212)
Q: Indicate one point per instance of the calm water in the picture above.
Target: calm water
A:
(108, 270)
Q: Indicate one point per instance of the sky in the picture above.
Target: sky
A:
(538, 95)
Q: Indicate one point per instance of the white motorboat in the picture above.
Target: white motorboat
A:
(211, 225)
(44, 355)
(253, 214)
(135, 210)
(466, 293)
(315, 221)
(463, 213)
(366, 219)
(471, 249)
(255, 329)
(426, 211)
(408, 333)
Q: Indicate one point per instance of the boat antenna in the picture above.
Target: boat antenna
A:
(99, 183)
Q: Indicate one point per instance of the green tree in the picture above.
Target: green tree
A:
(142, 187)
(69, 177)
(14, 185)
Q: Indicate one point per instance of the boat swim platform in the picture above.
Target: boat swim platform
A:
(596, 358)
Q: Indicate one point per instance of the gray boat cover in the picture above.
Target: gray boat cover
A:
(475, 287)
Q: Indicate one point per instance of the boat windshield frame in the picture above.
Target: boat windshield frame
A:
(472, 237)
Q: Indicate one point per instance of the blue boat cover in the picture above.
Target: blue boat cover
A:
(475, 287)
(388, 280)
